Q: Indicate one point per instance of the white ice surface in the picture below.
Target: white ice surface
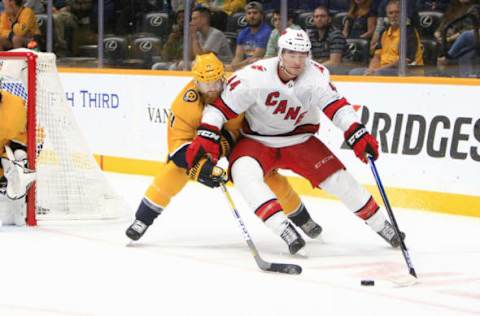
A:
(194, 261)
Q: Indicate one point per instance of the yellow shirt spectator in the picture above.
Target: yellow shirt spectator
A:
(389, 47)
(18, 25)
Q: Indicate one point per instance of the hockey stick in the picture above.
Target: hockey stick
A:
(405, 253)
(287, 268)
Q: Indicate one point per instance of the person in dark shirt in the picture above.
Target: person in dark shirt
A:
(328, 43)
(361, 20)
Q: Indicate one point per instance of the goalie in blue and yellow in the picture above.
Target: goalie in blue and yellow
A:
(15, 178)
(186, 113)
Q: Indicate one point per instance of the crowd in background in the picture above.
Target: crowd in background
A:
(357, 37)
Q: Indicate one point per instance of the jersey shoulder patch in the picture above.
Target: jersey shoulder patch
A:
(191, 95)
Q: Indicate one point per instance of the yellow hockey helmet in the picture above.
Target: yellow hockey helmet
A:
(207, 68)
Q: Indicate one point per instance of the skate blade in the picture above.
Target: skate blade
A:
(302, 253)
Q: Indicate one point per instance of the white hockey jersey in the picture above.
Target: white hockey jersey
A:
(279, 113)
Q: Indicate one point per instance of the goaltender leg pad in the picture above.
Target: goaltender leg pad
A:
(12, 212)
(18, 177)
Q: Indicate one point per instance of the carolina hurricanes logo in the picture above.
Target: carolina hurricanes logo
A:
(258, 67)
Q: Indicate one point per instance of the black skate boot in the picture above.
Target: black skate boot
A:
(388, 233)
(136, 230)
(311, 229)
(293, 239)
(301, 218)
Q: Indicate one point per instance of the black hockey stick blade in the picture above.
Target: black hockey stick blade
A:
(287, 268)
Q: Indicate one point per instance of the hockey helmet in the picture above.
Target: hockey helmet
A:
(294, 40)
(207, 68)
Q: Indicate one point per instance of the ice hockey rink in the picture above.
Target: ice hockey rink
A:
(194, 261)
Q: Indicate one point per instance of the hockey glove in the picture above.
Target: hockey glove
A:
(207, 173)
(361, 141)
(206, 143)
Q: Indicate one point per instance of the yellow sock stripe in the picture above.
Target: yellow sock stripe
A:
(408, 198)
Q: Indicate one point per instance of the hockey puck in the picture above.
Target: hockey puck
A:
(367, 282)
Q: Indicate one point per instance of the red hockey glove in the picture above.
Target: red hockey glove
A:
(205, 143)
(361, 141)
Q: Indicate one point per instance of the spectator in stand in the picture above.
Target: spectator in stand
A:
(272, 45)
(172, 51)
(205, 39)
(386, 57)
(63, 18)
(18, 26)
(252, 40)
(380, 8)
(81, 9)
(465, 51)
(432, 5)
(361, 20)
(328, 43)
(36, 5)
(221, 9)
(456, 9)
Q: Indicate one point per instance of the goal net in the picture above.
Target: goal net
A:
(70, 184)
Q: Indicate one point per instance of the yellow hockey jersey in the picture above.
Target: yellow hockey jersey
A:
(13, 120)
(185, 118)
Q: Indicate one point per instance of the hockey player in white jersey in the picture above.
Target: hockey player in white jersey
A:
(282, 98)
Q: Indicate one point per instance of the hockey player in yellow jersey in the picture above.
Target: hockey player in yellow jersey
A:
(184, 120)
(15, 178)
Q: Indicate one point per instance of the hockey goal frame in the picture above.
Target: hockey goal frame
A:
(31, 59)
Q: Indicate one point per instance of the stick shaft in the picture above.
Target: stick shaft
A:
(403, 247)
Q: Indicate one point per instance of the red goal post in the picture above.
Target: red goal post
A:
(31, 60)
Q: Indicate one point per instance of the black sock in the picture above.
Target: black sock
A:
(147, 212)
(300, 217)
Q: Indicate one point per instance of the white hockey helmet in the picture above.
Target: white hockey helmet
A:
(294, 40)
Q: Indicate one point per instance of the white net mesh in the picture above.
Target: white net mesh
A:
(69, 183)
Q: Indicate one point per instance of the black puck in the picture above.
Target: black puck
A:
(367, 282)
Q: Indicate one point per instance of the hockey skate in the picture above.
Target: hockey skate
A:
(311, 229)
(293, 239)
(388, 233)
(136, 230)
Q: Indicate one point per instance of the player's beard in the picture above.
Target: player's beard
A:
(209, 97)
